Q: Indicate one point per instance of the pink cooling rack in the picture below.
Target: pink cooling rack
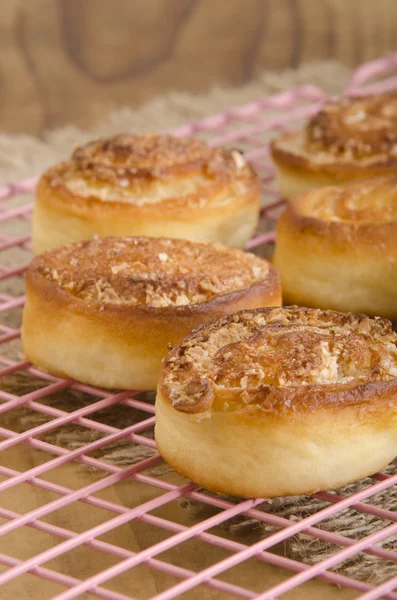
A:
(248, 127)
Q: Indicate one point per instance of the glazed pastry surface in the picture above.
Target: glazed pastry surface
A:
(157, 185)
(337, 248)
(348, 139)
(103, 311)
(271, 399)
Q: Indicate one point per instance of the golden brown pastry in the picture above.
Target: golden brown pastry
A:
(103, 311)
(280, 401)
(154, 185)
(349, 139)
(336, 247)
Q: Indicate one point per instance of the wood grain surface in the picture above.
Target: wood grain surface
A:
(141, 582)
(72, 61)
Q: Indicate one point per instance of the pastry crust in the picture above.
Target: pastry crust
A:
(153, 185)
(336, 247)
(280, 401)
(349, 139)
(103, 311)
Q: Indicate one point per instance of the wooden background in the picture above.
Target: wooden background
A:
(71, 61)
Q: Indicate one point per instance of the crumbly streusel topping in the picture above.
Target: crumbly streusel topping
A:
(147, 271)
(144, 169)
(361, 131)
(355, 127)
(369, 201)
(278, 348)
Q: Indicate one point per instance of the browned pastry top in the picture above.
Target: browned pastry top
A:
(369, 201)
(353, 131)
(147, 271)
(147, 169)
(355, 127)
(280, 359)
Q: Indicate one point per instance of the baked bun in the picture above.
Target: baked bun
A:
(103, 311)
(280, 401)
(154, 185)
(336, 247)
(349, 139)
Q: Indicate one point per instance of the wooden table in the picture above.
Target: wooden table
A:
(72, 61)
(141, 582)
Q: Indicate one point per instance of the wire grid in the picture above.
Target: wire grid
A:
(248, 127)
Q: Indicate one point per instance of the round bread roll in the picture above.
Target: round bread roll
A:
(103, 311)
(336, 247)
(153, 185)
(349, 139)
(280, 401)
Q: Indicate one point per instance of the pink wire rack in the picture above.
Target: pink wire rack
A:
(249, 127)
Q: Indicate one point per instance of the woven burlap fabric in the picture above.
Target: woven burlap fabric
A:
(24, 156)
